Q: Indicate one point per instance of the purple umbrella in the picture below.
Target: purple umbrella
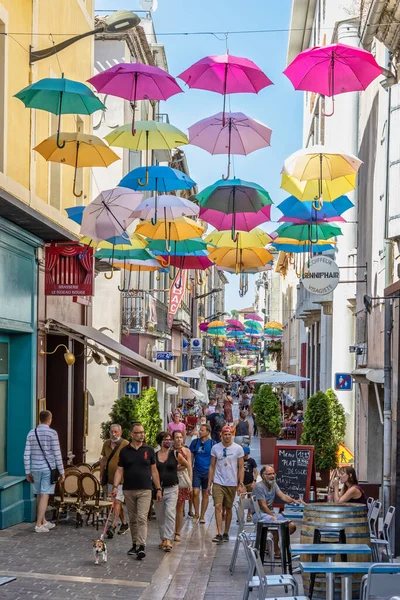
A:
(136, 81)
(232, 133)
(242, 221)
(253, 317)
(225, 74)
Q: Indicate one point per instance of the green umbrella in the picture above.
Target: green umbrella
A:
(253, 324)
(60, 96)
(313, 232)
(140, 254)
(234, 196)
(179, 247)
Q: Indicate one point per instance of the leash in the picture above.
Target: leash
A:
(108, 518)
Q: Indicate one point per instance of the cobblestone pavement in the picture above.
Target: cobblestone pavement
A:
(59, 565)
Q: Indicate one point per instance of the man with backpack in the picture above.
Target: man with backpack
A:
(217, 421)
(201, 451)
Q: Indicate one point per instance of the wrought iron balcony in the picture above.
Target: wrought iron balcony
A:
(142, 312)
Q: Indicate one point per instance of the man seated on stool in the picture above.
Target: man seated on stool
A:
(265, 492)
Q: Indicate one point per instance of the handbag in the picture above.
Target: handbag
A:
(54, 473)
(184, 478)
(104, 477)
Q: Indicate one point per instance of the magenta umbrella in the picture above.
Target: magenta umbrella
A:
(203, 326)
(225, 74)
(186, 262)
(241, 221)
(235, 134)
(234, 324)
(332, 70)
(253, 317)
(136, 81)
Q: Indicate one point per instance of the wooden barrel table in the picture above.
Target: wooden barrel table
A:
(327, 515)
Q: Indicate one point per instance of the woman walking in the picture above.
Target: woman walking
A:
(242, 430)
(185, 481)
(228, 403)
(167, 465)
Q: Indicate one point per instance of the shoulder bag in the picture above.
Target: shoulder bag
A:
(54, 473)
(183, 476)
(104, 477)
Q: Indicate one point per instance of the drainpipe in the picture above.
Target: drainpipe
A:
(372, 23)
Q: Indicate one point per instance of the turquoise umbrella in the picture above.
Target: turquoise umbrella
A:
(60, 96)
(179, 248)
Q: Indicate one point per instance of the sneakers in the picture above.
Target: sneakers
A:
(110, 533)
(123, 529)
(218, 538)
(132, 551)
(41, 529)
(141, 553)
(225, 537)
(49, 525)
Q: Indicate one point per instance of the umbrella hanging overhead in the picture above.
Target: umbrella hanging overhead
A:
(240, 258)
(213, 324)
(60, 96)
(171, 207)
(296, 247)
(295, 211)
(225, 74)
(179, 248)
(275, 377)
(235, 221)
(235, 323)
(110, 214)
(136, 81)
(313, 232)
(236, 134)
(177, 230)
(130, 254)
(124, 242)
(185, 262)
(245, 239)
(75, 213)
(196, 374)
(273, 325)
(79, 150)
(203, 326)
(150, 135)
(333, 69)
(253, 317)
(331, 189)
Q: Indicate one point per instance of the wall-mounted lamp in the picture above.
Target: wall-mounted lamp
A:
(69, 357)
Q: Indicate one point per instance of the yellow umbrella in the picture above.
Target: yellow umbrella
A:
(309, 190)
(273, 325)
(240, 258)
(214, 324)
(245, 239)
(321, 162)
(79, 150)
(177, 230)
(137, 242)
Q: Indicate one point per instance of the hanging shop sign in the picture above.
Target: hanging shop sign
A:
(175, 296)
(69, 270)
(321, 276)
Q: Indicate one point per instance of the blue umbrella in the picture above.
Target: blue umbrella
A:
(75, 213)
(159, 179)
(297, 211)
(314, 248)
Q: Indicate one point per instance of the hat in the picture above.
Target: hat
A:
(246, 449)
(226, 429)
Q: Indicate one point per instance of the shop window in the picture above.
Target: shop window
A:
(4, 353)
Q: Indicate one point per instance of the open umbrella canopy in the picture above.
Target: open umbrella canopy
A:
(314, 232)
(80, 150)
(169, 207)
(203, 326)
(249, 270)
(213, 324)
(178, 230)
(118, 255)
(150, 135)
(75, 213)
(253, 317)
(138, 265)
(275, 377)
(254, 238)
(271, 332)
(321, 162)
(235, 323)
(185, 262)
(196, 374)
(296, 247)
(180, 248)
(296, 211)
(236, 134)
(234, 196)
(253, 324)
(240, 259)
(306, 190)
(160, 179)
(273, 325)
(239, 221)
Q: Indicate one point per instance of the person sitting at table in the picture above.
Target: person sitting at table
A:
(265, 492)
(351, 490)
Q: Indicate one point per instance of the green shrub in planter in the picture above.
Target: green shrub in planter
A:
(148, 414)
(123, 412)
(338, 417)
(318, 431)
(267, 412)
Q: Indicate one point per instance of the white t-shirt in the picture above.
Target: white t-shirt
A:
(226, 468)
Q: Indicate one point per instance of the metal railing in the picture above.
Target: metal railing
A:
(141, 312)
(162, 118)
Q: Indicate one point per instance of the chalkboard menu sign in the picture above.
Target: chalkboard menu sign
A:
(295, 470)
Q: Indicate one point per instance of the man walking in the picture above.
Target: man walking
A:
(217, 421)
(226, 476)
(108, 465)
(137, 467)
(42, 454)
(201, 450)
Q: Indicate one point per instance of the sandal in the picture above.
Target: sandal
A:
(168, 546)
(177, 537)
(162, 545)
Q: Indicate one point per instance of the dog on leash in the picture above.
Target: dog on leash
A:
(99, 551)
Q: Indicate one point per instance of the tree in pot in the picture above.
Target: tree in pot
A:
(148, 413)
(338, 417)
(123, 412)
(318, 431)
(268, 418)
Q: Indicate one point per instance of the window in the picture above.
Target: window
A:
(54, 171)
(4, 353)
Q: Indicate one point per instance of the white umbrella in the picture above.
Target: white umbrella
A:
(188, 393)
(196, 374)
(275, 377)
(203, 383)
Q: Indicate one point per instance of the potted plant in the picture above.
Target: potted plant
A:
(268, 418)
(318, 431)
(338, 417)
(148, 414)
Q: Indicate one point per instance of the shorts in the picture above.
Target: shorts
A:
(120, 493)
(200, 480)
(224, 494)
(184, 494)
(42, 483)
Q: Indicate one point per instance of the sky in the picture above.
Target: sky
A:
(278, 106)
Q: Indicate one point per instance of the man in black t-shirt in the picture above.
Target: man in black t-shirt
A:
(137, 467)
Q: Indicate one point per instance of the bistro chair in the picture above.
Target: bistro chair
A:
(370, 503)
(84, 467)
(91, 505)
(373, 518)
(243, 525)
(385, 540)
(382, 585)
(96, 473)
(68, 499)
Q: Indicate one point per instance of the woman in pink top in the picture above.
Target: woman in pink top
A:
(177, 425)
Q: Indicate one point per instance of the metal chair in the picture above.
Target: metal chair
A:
(383, 585)
(370, 503)
(240, 508)
(373, 520)
(260, 580)
(385, 539)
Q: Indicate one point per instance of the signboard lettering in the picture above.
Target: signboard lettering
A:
(69, 270)
(321, 276)
(295, 470)
(175, 296)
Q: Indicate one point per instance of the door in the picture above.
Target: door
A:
(4, 362)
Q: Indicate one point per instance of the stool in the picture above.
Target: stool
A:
(333, 533)
(282, 527)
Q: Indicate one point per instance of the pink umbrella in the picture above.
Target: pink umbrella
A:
(331, 70)
(203, 326)
(234, 133)
(242, 221)
(235, 324)
(186, 262)
(253, 317)
(136, 81)
(225, 74)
